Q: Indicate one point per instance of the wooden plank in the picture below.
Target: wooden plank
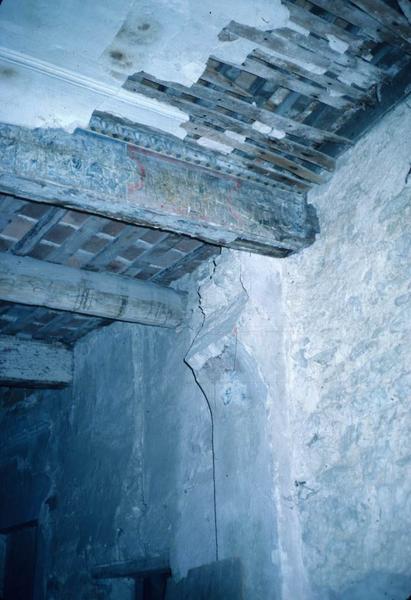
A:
(262, 67)
(282, 179)
(209, 117)
(405, 6)
(76, 240)
(140, 263)
(293, 46)
(285, 145)
(31, 363)
(315, 24)
(30, 281)
(38, 231)
(24, 321)
(9, 206)
(98, 175)
(218, 79)
(246, 110)
(262, 155)
(384, 14)
(368, 25)
(114, 248)
(340, 63)
(333, 86)
(391, 94)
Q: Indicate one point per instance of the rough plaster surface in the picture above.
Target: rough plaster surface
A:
(347, 336)
(237, 358)
(82, 52)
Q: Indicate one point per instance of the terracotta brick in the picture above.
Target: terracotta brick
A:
(17, 228)
(58, 233)
(95, 244)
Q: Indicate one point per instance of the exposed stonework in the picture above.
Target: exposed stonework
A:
(347, 335)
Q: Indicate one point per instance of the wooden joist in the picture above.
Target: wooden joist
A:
(263, 156)
(187, 96)
(364, 20)
(315, 24)
(405, 6)
(217, 79)
(261, 68)
(34, 235)
(333, 87)
(32, 363)
(305, 50)
(387, 16)
(99, 175)
(30, 281)
(213, 119)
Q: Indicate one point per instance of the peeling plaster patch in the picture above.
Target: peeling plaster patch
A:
(277, 133)
(213, 145)
(235, 136)
(336, 44)
(298, 28)
(267, 130)
(261, 127)
(335, 93)
(235, 51)
(350, 77)
(312, 68)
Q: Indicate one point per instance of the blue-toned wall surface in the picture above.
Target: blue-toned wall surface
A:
(348, 339)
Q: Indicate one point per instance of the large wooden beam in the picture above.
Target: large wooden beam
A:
(103, 176)
(31, 363)
(30, 281)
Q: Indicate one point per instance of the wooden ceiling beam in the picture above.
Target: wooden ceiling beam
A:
(98, 175)
(171, 147)
(26, 280)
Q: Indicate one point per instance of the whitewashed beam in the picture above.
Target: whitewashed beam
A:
(31, 363)
(38, 283)
(99, 175)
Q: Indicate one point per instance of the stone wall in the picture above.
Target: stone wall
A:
(347, 335)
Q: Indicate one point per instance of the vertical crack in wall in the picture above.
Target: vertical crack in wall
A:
(209, 408)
